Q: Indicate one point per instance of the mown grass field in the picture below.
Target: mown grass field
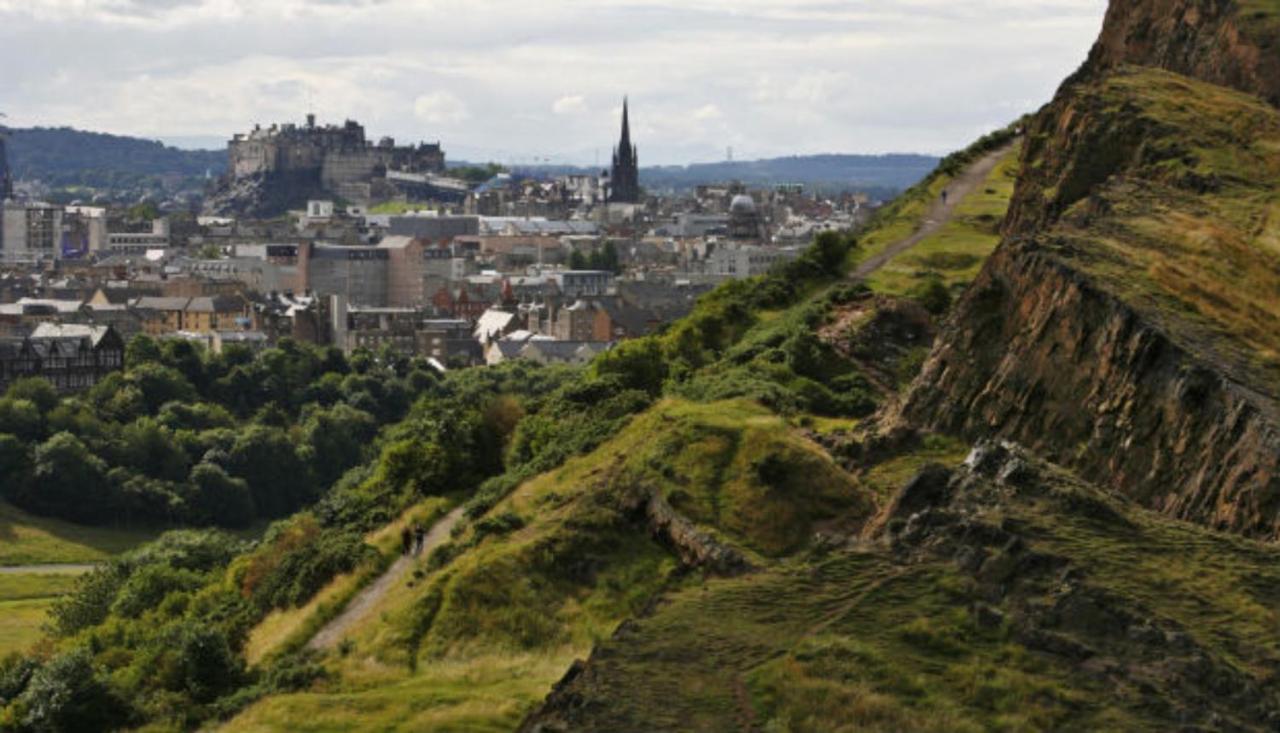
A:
(25, 599)
(29, 540)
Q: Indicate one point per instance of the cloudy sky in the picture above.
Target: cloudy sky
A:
(524, 80)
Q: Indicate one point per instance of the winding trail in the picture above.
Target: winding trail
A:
(365, 600)
(940, 213)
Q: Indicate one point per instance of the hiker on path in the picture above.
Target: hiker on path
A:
(944, 197)
(406, 540)
(419, 536)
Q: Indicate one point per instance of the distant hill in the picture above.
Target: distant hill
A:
(820, 171)
(888, 174)
(66, 157)
(63, 156)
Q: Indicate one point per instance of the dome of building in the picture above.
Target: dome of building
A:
(742, 204)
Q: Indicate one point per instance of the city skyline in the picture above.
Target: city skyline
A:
(544, 83)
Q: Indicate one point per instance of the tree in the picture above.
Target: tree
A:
(68, 481)
(15, 466)
(577, 261)
(160, 384)
(217, 498)
(609, 258)
(141, 350)
(67, 694)
(639, 364)
(278, 479)
(21, 418)
(151, 449)
(37, 390)
(337, 438)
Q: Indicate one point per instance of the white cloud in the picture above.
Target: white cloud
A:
(441, 108)
(707, 112)
(571, 105)
(769, 77)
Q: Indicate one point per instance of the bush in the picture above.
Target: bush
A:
(148, 586)
(90, 603)
(933, 295)
(66, 694)
(218, 499)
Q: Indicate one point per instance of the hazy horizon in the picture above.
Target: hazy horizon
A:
(534, 83)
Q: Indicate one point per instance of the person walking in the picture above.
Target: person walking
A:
(419, 537)
(944, 197)
(406, 540)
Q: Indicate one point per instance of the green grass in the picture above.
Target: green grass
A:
(956, 252)
(289, 629)
(886, 477)
(25, 599)
(21, 622)
(852, 643)
(28, 540)
(476, 643)
(1202, 263)
(28, 586)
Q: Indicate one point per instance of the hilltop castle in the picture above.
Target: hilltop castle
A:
(271, 165)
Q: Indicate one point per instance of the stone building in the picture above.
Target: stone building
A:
(359, 273)
(335, 157)
(30, 232)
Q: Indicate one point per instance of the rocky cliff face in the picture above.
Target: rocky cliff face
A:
(1038, 354)
(1078, 339)
(1232, 43)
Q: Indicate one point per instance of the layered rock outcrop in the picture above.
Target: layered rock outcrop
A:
(1075, 340)
(1233, 43)
(1039, 355)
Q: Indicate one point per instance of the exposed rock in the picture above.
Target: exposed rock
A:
(1038, 355)
(1223, 42)
(695, 548)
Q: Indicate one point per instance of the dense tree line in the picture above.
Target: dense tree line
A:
(184, 436)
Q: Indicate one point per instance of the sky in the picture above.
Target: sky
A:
(523, 81)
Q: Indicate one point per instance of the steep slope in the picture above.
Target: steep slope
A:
(1123, 327)
(998, 594)
(1232, 43)
(483, 628)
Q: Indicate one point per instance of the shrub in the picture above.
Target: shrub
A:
(66, 694)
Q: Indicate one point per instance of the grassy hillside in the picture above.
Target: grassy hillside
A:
(1057, 609)
(29, 540)
(1190, 236)
(955, 254)
(486, 627)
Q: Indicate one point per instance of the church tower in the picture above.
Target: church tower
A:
(626, 167)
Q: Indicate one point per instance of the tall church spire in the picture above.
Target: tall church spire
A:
(626, 126)
(625, 180)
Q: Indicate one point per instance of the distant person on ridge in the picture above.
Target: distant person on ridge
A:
(406, 540)
(944, 197)
(419, 536)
